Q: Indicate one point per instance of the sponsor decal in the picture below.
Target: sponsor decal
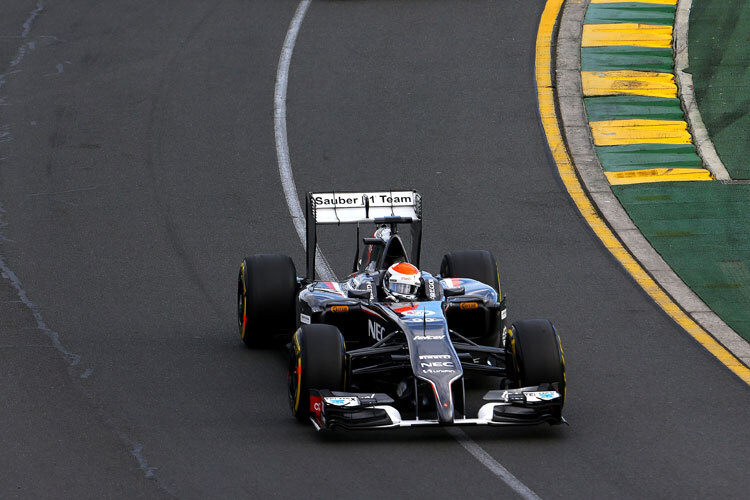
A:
(401, 310)
(417, 312)
(375, 330)
(436, 364)
(392, 200)
(435, 356)
(316, 405)
(469, 305)
(419, 319)
(368, 285)
(304, 319)
(438, 370)
(452, 282)
(339, 309)
(509, 396)
(429, 337)
(503, 314)
(339, 201)
(349, 200)
(535, 397)
(431, 289)
(330, 286)
(342, 401)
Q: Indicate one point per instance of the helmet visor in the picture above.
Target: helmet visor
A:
(402, 289)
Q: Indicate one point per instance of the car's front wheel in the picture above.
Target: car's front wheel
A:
(317, 360)
(534, 355)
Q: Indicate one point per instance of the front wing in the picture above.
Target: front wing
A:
(330, 410)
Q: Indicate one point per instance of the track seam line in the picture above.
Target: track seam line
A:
(76, 372)
(321, 264)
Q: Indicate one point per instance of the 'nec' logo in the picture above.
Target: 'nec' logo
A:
(375, 330)
(436, 364)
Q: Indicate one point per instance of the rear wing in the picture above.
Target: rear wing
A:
(380, 207)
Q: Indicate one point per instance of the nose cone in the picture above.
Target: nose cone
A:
(445, 408)
(433, 357)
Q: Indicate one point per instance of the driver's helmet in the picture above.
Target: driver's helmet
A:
(402, 280)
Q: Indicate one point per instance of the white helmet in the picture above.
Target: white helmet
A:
(402, 280)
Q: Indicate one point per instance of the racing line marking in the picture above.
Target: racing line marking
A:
(321, 264)
(567, 172)
(493, 465)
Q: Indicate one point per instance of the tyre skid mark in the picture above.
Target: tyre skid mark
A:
(72, 360)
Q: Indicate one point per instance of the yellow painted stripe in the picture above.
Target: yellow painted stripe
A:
(639, 35)
(622, 132)
(658, 175)
(645, 83)
(663, 2)
(568, 175)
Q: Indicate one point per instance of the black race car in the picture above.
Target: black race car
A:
(363, 358)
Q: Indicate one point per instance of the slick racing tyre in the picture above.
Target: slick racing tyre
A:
(534, 355)
(478, 265)
(482, 327)
(266, 299)
(317, 360)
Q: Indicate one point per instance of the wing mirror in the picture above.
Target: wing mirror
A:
(453, 292)
(358, 294)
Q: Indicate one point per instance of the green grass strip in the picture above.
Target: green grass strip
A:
(647, 156)
(630, 12)
(720, 62)
(702, 229)
(626, 57)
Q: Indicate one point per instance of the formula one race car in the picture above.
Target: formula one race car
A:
(391, 346)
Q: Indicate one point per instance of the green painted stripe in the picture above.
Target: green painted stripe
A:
(631, 107)
(648, 156)
(626, 57)
(630, 12)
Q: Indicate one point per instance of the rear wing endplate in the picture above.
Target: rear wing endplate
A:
(380, 207)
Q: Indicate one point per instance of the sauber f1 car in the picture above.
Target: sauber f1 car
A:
(392, 346)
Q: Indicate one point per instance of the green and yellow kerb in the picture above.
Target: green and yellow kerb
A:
(627, 73)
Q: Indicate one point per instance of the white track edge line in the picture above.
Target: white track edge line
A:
(490, 463)
(282, 144)
(321, 264)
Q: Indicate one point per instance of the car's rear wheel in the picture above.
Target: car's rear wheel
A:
(534, 355)
(266, 299)
(478, 265)
(481, 326)
(317, 360)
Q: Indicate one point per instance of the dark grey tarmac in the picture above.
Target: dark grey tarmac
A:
(139, 167)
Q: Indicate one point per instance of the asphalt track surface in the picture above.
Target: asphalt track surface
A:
(139, 168)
